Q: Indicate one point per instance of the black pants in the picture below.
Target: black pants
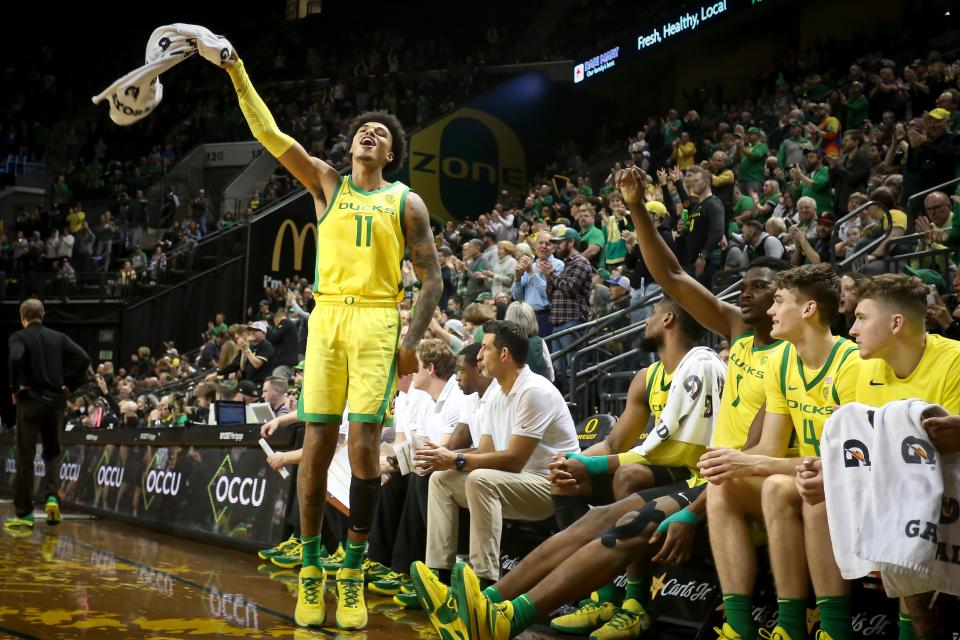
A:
(36, 418)
(398, 534)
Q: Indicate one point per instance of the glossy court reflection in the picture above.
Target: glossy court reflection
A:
(100, 579)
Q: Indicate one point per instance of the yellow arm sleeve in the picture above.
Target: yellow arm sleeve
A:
(262, 124)
(631, 457)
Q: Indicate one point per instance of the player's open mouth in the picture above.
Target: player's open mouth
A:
(368, 141)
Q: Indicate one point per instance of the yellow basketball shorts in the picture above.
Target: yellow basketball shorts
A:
(351, 361)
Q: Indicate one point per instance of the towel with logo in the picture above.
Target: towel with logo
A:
(846, 450)
(692, 403)
(136, 94)
(906, 525)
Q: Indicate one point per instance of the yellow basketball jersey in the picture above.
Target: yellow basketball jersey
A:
(360, 243)
(809, 404)
(743, 392)
(936, 378)
(669, 453)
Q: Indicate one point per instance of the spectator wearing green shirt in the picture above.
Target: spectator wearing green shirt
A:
(219, 325)
(583, 186)
(761, 205)
(816, 183)
(671, 128)
(593, 240)
(543, 198)
(742, 205)
(753, 155)
(615, 248)
(765, 203)
(856, 108)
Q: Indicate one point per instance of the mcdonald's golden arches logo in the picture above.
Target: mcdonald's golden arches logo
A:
(299, 240)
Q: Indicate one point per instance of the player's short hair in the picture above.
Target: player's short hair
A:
(397, 133)
(437, 353)
(31, 309)
(470, 353)
(691, 329)
(767, 262)
(906, 294)
(511, 336)
(815, 282)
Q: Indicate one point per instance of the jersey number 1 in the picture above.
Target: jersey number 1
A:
(360, 220)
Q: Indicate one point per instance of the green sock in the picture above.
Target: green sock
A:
(354, 553)
(311, 551)
(906, 627)
(637, 589)
(524, 615)
(606, 593)
(836, 617)
(493, 595)
(793, 617)
(739, 613)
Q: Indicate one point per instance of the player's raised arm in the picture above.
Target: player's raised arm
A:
(317, 176)
(720, 317)
(423, 254)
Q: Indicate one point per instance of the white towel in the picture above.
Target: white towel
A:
(693, 401)
(138, 93)
(846, 451)
(905, 494)
(893, 502)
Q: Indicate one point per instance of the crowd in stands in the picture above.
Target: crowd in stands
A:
(728, 183)
(313, 87)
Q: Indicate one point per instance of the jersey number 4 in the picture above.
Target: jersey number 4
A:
(360, 230)
(810, 435)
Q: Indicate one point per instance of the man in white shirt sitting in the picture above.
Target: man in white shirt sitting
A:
(506, 477)
(477, 390)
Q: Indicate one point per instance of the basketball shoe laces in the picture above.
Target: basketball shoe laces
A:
(351, 592)
(311, 590)
(622, 619)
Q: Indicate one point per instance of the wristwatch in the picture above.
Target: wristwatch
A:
(461, 462)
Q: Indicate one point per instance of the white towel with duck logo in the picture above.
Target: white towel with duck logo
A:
(907, 525)
(692, 403)
(138, 93)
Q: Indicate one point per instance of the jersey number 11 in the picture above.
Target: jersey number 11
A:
(360, 220)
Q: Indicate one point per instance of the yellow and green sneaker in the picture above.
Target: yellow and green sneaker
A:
(351, 607)
(629, 621)
(279, 550)
(407, 598)
(481, 618)
(727, 633)
(332, 562)
(52, 509)
(373, 571)
(438, 601)
(311, 610)
(389, 584)
(16, 522)
(778, 633)
(292, 559)
(590, 615)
